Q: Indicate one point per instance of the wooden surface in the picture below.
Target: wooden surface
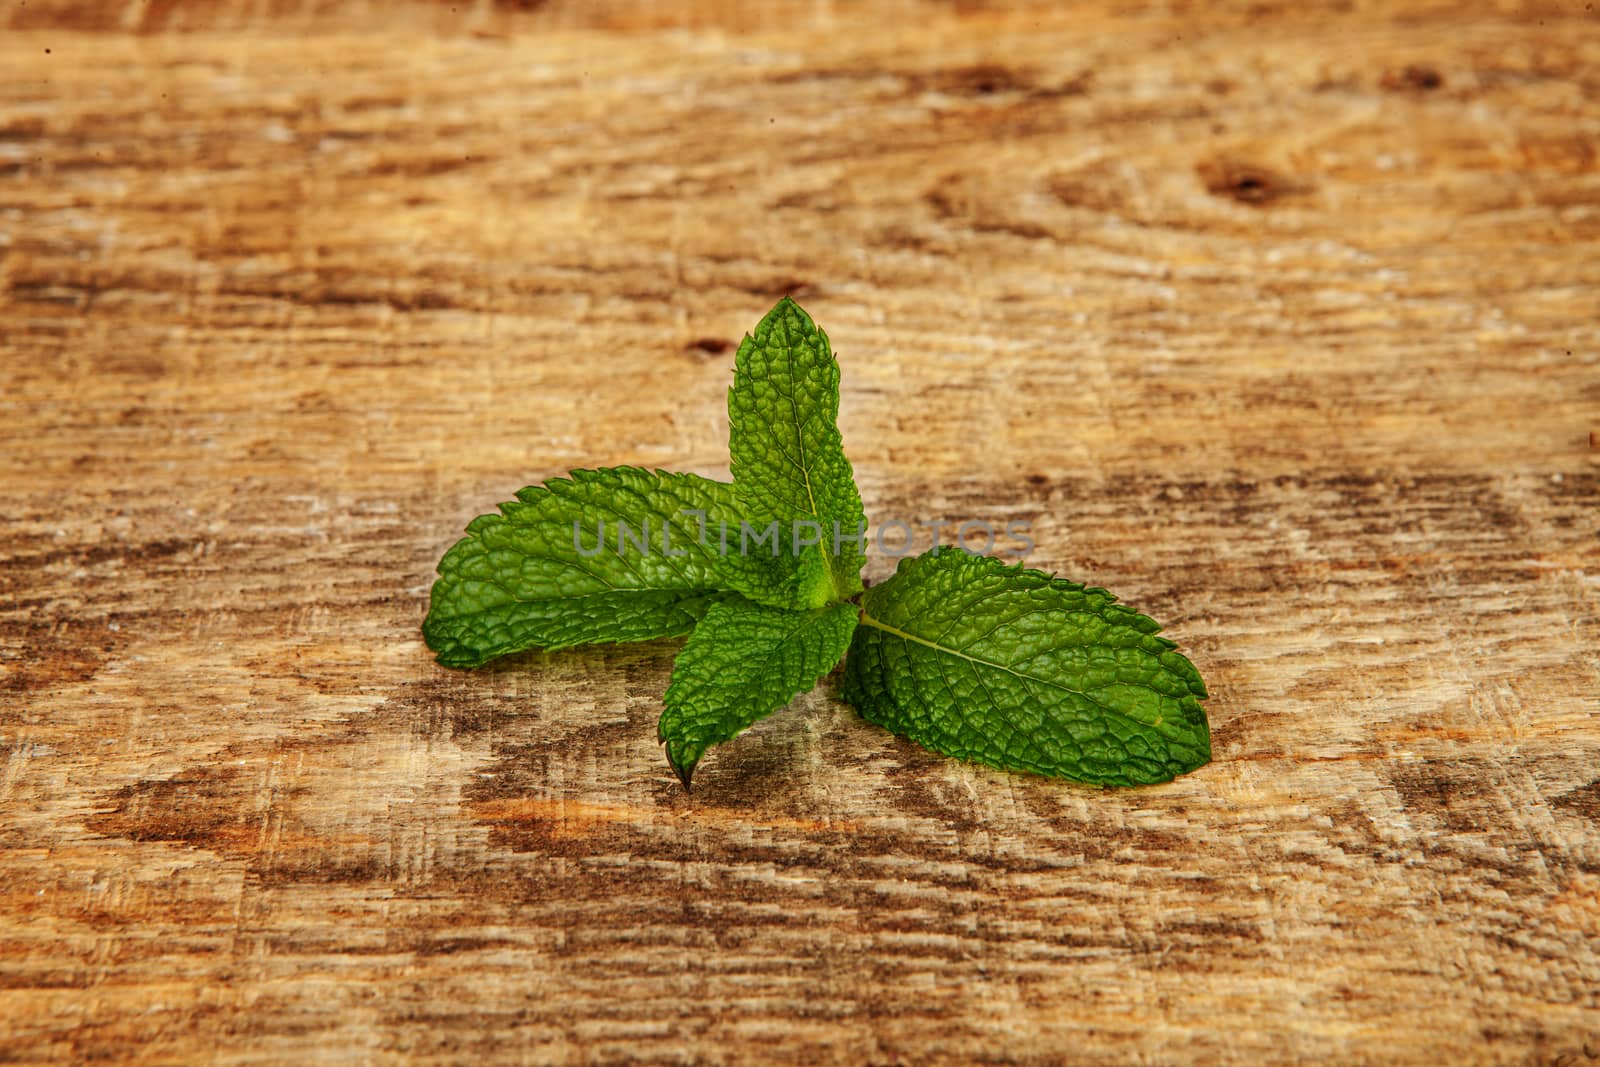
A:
(1281, 325)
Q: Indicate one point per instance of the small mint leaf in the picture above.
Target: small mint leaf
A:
(524, 578)
(787, 458)
(1018, 670)
(743, 662)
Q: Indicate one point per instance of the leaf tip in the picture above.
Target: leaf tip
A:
(785, 310)
(683, 768)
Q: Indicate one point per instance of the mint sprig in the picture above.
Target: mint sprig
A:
(972, 658)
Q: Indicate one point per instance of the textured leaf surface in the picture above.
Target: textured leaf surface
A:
(746, 560)
(517, 580)
(1013, 668)
(743, 662)
(787, 458)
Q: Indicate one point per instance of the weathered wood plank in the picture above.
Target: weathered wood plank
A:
(1280, 324)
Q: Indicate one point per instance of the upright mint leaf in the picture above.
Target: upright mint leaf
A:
(788, 463)
(607, 555)
(743, 662)
(1021, 671)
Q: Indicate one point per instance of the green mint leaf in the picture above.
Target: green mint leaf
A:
(788, 462)
(1016, 669)
(743, 662)
(757, 562)
(525, 578)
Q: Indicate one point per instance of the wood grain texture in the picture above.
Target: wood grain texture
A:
(1280, 323)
